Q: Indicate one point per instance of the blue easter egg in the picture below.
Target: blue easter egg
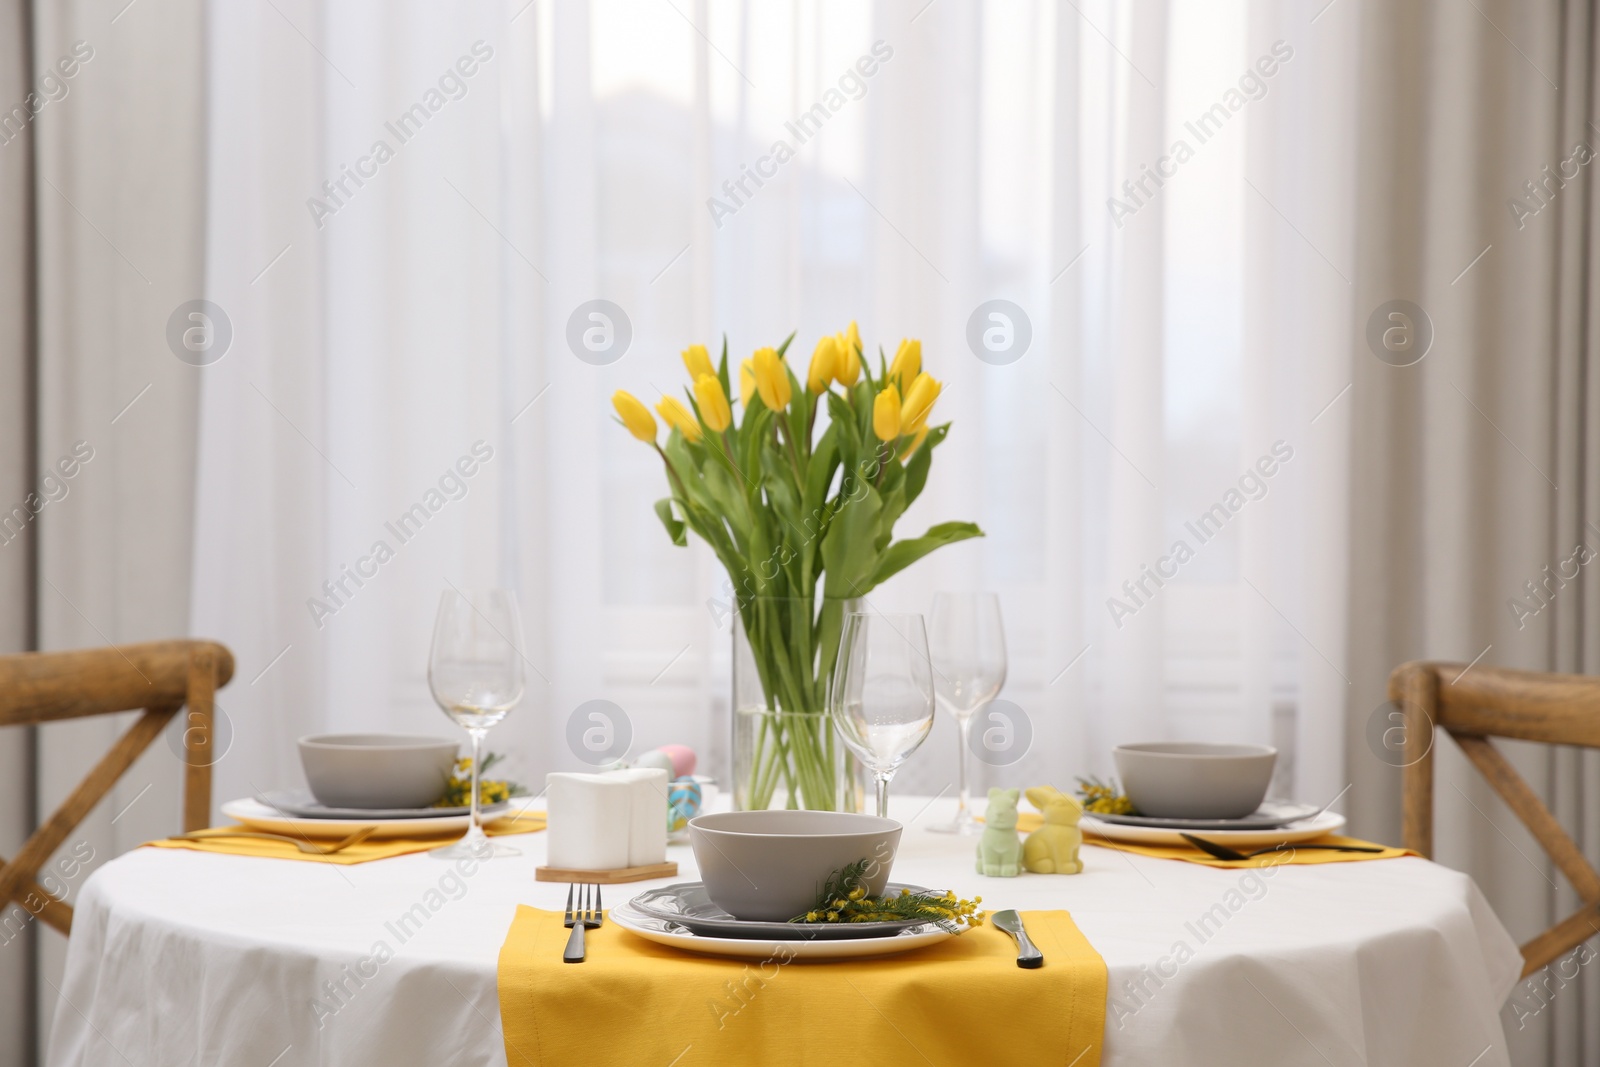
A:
(683, 803)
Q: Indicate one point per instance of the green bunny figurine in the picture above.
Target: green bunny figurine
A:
(1053, 847)
(999, 851)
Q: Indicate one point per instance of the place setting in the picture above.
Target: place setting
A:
(1207, 803)
(792, 909)
(374, 795)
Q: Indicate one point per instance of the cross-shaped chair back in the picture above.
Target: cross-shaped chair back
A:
(160, 677)
(1473, 705)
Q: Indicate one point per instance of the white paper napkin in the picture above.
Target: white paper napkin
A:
(599, 822)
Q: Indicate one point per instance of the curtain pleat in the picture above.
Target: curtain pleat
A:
(120, 202)
(18, 547)
(1574, 774)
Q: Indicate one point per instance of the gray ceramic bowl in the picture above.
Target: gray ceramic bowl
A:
(769, 866)
(1195, 780)
(377, 770)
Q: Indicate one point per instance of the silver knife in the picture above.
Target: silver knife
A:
(1027, 954)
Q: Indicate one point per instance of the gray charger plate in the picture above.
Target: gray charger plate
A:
(305, 806)
(687, 904)
(1269, 816)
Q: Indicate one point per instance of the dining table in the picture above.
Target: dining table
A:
(180, 957)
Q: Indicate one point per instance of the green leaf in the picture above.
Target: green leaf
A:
(848, 554)
(891, 486)
(728, 496)
(819, 474)
(843, 419)
(903, 554)
(799, 415)
(917, 466)
(674, 527)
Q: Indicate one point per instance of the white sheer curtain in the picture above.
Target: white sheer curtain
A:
(384, 326)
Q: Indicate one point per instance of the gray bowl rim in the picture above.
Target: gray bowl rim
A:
(883, 825)
(376, 742)
(1240, 751)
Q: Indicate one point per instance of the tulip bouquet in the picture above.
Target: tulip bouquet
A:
(803, 522)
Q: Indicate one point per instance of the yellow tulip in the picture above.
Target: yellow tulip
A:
(635, 416)
(824, 361)
(698, 361)
(919, 401)
(679, 418)
(747, 382)
(886, 414)
(848, 368)
(772, 378)
(713, 402)
(907, 364)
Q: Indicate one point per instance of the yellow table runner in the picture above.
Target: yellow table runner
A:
(362, 852)
(960, 1002)
(1029, 820)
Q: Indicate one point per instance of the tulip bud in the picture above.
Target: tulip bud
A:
(886, 414)
(824, 361)
(747, 382)
(772, 378)
(634, 415)
(848, 367)
(907, 363)
(713, 403)
(679, 418)
(698, 361)
(919, 401)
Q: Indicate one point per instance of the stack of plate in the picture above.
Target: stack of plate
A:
(300, 814)
(1275, 822)
(683, 916)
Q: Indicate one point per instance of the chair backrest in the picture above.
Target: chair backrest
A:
(160, 678)
(1473, 705)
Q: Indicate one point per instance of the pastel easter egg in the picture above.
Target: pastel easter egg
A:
(683, 803)
(655, 760)
(683, 759)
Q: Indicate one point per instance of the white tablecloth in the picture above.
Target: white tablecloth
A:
(180, 957)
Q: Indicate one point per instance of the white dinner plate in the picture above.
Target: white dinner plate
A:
(258, 816)
(689, 904)
(663, 932)
(1269, 816)
(301, 803)
(1329, 822)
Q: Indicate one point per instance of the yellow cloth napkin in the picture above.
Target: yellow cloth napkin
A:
(527, 822)
(960, 1002)
(1029, 820)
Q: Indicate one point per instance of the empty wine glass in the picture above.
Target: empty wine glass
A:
(475, 673)
(969, 667)
(882, 698)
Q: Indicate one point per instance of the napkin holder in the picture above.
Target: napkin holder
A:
(606, 828)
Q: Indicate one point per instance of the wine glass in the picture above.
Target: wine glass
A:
(882, 698)
(969, 667)
(475, 672)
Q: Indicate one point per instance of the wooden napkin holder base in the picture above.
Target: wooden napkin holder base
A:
(611, 877)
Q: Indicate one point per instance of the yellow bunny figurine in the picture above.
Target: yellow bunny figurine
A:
(1053, 847)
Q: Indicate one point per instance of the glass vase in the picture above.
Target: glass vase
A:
(785, 751)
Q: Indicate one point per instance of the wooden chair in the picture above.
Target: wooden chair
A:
(160, 677)
(1473, 706)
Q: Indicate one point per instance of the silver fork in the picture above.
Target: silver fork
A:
(581, 919)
